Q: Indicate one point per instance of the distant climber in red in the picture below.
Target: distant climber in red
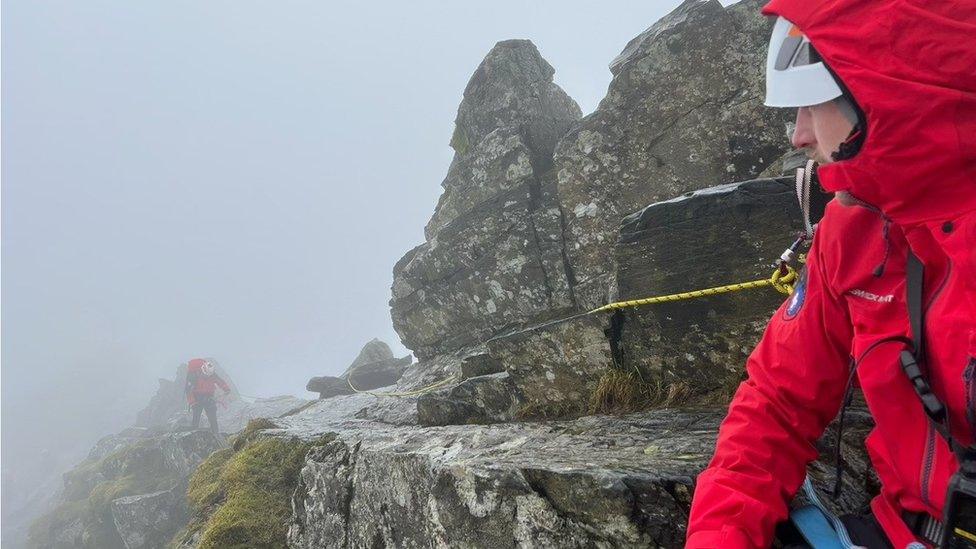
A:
(201, 382)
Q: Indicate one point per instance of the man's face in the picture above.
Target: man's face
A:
(820, 130)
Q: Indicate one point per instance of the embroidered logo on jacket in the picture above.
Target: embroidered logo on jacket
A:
(863, 294)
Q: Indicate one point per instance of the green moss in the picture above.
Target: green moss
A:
(78, 481)
(249, 518)
(241, 496)
(459, 141)
(250, 432)
(204, 489)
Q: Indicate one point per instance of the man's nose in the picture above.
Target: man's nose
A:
(803, 132)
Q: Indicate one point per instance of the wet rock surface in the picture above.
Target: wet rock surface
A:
(374, 367)
(706, 238)
(491, 398)
(493, 258)
(611, 482)
(682, 112)
(555, 367)
(149, 520)
(597, 481)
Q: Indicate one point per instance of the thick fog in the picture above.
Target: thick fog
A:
(231, 179)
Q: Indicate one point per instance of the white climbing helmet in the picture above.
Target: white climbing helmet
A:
(795, 74)
(208, 368)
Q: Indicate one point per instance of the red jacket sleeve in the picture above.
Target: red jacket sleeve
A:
(796, 380)
(223, 384)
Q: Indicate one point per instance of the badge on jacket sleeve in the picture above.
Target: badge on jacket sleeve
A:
(798, 297)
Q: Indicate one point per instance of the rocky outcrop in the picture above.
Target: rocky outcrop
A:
(131, 497)
(525, 231)
(545, 372)
(375, 367)
(147, 521)
(597, 481)
(500, 486)
(684, 110)
(717, 236)
(493, 257)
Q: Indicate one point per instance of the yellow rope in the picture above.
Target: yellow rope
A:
(782, 280)
(415, 392)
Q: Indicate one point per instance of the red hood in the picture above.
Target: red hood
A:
(911, 66)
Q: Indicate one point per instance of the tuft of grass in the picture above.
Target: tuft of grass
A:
(251, 431)
(620, 392)
(623, 392)
(241, 496)
(204, 488)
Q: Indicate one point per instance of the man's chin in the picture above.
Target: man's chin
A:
(819, 157)
(845, 198)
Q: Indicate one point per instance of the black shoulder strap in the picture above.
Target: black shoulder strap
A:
(915, 275)
(913, 364)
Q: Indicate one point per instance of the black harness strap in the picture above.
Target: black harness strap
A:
(913, 362)
(915, 277)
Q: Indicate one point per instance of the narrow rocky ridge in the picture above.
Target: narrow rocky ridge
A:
(671, 184)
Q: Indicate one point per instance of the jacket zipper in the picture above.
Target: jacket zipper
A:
(929, 459)
(927, 462)
(929, 456)
(969, 376)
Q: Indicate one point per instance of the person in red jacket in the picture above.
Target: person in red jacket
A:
(892, 117)
(201, 383)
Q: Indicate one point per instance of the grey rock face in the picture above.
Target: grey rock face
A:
(555, 367)
(525, 233)
(682, 110)
(493, 257)
(149, 520)
(374, 351)
(147, 480)
(592, 482)
(374, 367)
(480, 363)
(489, 398)
(513, 87)
(547, 372)
(587, 483)
(725, 234)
